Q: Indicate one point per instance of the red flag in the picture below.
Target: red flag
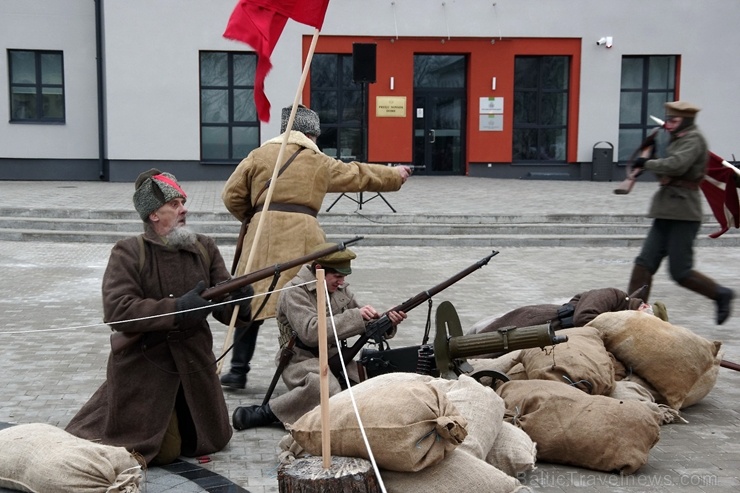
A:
(721, 193)
(259, 23)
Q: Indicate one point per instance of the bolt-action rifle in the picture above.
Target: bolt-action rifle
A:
(633, 174)
(377, 329)
(120, 341)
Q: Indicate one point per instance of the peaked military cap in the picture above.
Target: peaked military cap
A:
(681, 108)
(339, 261)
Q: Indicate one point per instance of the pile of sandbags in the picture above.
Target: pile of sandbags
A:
(42, 458)
(425, 433)
(597, 400)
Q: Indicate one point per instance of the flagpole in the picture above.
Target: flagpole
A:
(268, 198)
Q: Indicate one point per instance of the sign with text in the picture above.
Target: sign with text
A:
(491, 123)
(491, 106)
(390, 106)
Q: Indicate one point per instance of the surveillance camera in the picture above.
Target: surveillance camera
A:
(607, 40)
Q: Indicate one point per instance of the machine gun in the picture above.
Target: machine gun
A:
(119, 341)
(446, 358)
(377, 329)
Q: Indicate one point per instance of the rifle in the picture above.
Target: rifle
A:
(286, 354)
(633, 173)
(120, 341)
(376, 329)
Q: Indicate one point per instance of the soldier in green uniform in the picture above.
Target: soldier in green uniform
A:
(676, 209)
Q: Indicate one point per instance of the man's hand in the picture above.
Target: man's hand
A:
(396, 317)
(639, 163)
(369, 313)
(405, 172)
(193, 301)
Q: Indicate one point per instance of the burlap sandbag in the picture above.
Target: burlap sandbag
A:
(482, 408)
(513, 451)
(705, 383)
(41, 458)
(503, 363)
(631, 390)
(582, 362)
(410, 424)
(459, 471)
(575, 428)
(671, 358)
(517, 372)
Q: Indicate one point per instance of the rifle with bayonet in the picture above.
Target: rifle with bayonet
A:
(633, 174)
(377, 329)
(120, 341)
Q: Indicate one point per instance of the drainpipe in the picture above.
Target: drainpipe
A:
(102, 161)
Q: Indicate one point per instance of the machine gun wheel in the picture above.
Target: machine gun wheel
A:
(492, 374)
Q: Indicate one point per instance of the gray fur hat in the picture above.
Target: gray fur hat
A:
(306, 120)
(153, 190)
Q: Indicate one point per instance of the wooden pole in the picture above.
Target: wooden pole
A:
(268, 198)
(323, 368)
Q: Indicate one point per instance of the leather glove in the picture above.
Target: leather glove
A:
(639, 163)
(190, 301)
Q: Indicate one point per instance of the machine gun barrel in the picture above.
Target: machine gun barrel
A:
(503, 340)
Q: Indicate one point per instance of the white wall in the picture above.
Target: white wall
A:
(152, 50)
(67, 25)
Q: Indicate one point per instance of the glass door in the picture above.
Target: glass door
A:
(439, 114)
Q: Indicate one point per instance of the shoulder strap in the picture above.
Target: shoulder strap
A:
(280, 172)
(203, 252)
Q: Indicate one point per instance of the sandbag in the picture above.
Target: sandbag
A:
(482, 408)
(705, 383)
(575, 428)
(503, 363)
(41, 458)
(410, 424)
(459, 471)
(671, 358)
(582, 362)
(513, 451)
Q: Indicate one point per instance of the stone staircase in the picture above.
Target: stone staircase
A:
(391, 229)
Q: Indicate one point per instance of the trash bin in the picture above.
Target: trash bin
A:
(601, 161)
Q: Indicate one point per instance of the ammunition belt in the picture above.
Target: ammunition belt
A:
(286, 332)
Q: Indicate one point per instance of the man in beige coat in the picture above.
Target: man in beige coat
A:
(290, 229)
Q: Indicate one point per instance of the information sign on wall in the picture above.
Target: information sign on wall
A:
(390, 106)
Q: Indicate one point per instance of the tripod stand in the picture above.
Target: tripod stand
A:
(359, 201)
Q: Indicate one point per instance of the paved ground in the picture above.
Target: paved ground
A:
(54, 348)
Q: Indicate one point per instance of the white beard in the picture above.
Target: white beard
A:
(181, 237)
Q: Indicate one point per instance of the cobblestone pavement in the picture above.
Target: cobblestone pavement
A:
(54, 347)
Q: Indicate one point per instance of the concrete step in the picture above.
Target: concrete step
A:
(490, 230)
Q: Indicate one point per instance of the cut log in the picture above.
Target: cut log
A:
(346, 474)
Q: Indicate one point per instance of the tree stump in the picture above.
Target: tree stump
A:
(346, 474)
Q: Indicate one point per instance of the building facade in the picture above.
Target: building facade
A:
(548, 89)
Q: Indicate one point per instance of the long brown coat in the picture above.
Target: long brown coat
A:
(587, 306)
(289, 235)
(146, 382)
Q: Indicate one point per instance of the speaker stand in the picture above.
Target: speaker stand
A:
(360, 200)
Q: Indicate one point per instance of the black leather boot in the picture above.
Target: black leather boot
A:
(252, 417)
(724, 304)
(640, 278)
(722, 296)
(245, 340)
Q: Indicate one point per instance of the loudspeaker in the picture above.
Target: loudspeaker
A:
(363, 62)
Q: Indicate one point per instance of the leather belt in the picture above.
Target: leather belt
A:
(691, 185)
(300, 209)
(158, 337)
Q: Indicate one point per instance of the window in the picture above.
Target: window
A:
(647, 83)
(340, 103)
(540, 108)
(229, 126)
(36, 86)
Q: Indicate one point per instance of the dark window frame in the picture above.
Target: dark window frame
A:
(646, 124)
(231, 124)
(331, 131)
(38, 86)
(540, 128)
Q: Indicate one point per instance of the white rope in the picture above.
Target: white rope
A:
(34, 331)
(352, 396)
